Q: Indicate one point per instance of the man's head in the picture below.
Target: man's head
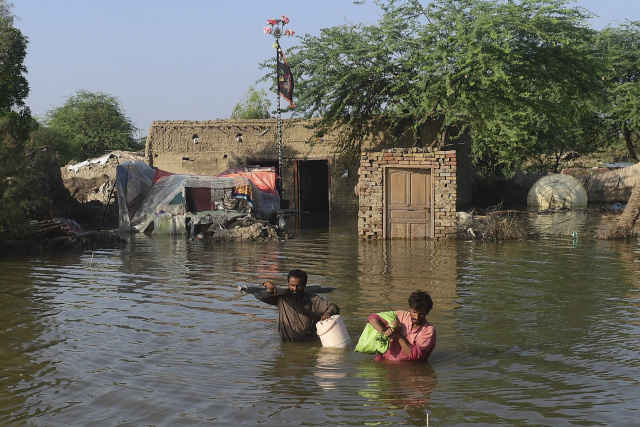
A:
(420, 303)
(297, 280)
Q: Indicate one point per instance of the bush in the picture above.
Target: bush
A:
(496, 226)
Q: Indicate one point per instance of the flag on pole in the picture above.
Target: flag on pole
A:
(285, 78)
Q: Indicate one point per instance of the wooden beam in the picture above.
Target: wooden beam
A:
(260, 291)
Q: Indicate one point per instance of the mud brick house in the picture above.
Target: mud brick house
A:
(316, 178)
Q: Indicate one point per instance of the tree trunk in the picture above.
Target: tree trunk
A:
(627, 138)
(624, 227)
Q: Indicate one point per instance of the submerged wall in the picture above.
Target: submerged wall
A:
(226, 144)
(605, 185)
(210, 147)
(371, 191)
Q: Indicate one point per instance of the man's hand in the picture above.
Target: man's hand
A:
(325, 316)
(271, 287)
(393, 331)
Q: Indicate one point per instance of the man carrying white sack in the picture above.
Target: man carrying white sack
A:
(298, 311)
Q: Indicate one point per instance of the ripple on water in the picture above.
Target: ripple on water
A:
(156, 333)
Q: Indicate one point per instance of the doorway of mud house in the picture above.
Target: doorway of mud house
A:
(313, 192)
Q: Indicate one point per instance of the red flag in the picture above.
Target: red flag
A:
(285, 78)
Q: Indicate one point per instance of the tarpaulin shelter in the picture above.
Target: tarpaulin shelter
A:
(165, 203)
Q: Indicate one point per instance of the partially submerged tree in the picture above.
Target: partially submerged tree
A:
(93, 124)
(621, 46)
(624, 227)
(514, 75)
(254, 105)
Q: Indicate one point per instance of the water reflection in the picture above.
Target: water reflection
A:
(390, 271)
(23, 332)
(156, 333)
(562, 223)
(330, 367)
(401, 385)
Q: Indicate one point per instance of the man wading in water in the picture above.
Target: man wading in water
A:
(298, 311)
(412, 336)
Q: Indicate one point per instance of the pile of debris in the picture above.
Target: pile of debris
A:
(495, 226)
(94, 180)
(246, 229)
(56, 233)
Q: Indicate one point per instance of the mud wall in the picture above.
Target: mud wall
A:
(606, 185)
(213, 146)
(94, 179)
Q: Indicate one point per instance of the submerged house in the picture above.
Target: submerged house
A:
(159, 202)
(315, 178)
(395, 189)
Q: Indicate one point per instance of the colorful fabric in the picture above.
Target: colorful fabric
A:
(70, 227)
(243, 192)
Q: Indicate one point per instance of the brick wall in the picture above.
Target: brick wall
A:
(370, 189)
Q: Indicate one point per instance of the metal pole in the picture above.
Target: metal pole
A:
(279, 124)
(275, 28)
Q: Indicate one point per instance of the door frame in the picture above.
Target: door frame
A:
(296, 178)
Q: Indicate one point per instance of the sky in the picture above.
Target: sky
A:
(181, 60)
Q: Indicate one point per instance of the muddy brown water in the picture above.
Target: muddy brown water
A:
(155, 332)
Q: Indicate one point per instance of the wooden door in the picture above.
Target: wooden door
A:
(408, 203)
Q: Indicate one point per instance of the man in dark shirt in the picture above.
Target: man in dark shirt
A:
(298, 311)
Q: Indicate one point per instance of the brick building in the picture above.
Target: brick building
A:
(316, 177)
(407, 194)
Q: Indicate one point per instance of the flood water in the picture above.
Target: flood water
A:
(155, 332)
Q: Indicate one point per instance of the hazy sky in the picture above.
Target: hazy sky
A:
(179, 60)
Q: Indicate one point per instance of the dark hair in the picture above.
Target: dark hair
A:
(420, 301)
(297, 273)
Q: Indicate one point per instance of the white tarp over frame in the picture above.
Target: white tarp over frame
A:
(143, 201)
(557, 191)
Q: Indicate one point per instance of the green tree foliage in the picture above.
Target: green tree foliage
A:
(15, 121)
(621, 46)
(254, 105)
(14, 88)
(42, 136)
(92, 124)
(515, 75)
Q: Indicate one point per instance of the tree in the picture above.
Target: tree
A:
(624, 227)
(92, 123)
(42, 136)
(14, 88)
(254, 105)
(15, 120)
(621, 46)
(515, 76)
